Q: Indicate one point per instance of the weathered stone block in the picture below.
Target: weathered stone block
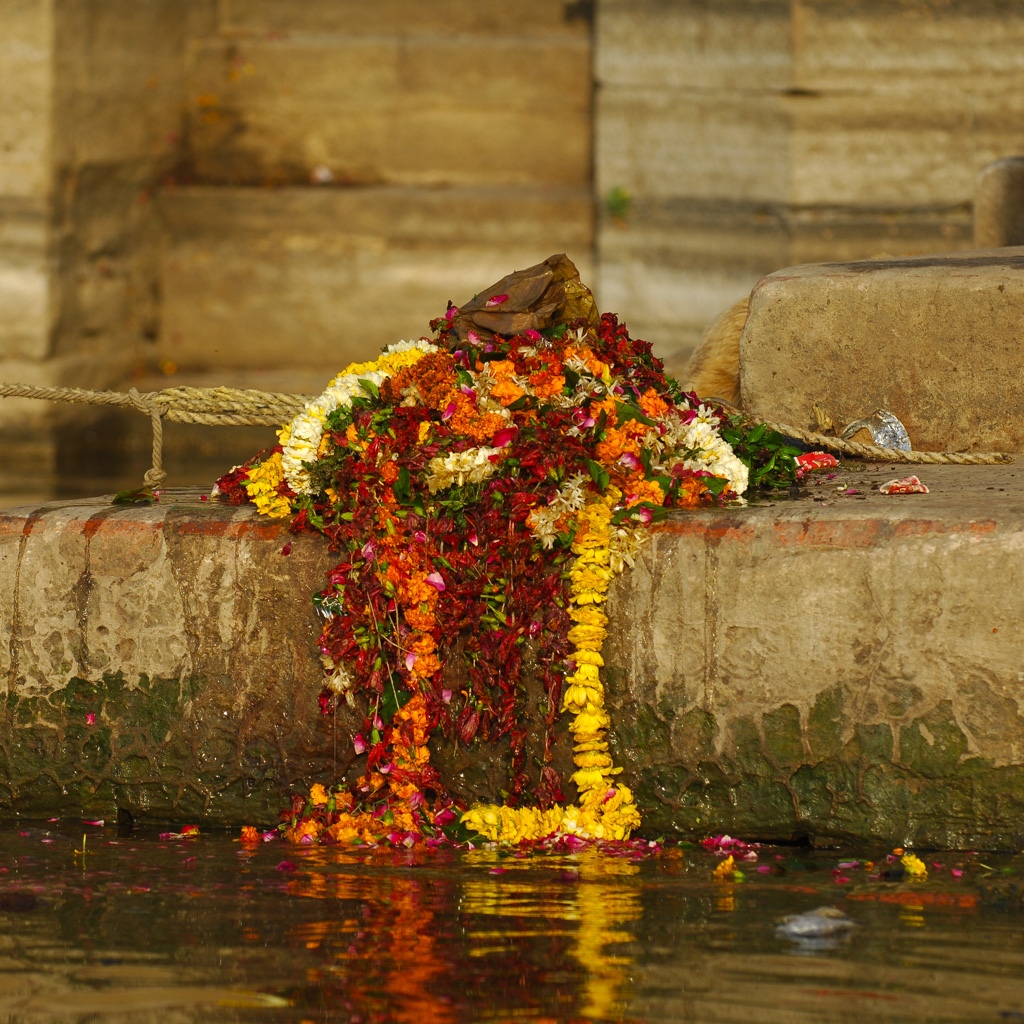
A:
(821, 662)
(378, 108)
(833, 669)
(655, 143)
(25, 316)
(176, 629)
(680, 44)
(934, 340)
(306, 278)
(999, 204)
(672, 265)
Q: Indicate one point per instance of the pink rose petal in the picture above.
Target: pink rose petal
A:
(497, 300)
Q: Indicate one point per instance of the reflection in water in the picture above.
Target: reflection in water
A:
(589, 913)
(154, 931)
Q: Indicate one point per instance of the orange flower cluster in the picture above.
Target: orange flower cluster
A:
(468, 420)
(431, 379)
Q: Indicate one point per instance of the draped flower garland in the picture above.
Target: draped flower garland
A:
(482, 496)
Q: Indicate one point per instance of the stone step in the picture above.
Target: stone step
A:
(935, 340)
(837, 666)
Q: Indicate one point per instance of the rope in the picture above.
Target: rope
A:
(875, 454)
(242, 407)
(221, 406)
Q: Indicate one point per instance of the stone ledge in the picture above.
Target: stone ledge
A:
(839, 666)
(935, 340)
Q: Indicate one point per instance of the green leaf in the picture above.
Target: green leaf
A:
(401, 486)
(369, 387)
(598, 474)
(392, 700)
(627, 412)
(138, 496)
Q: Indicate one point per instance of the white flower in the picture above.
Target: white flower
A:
(471, 466)
(301, 438)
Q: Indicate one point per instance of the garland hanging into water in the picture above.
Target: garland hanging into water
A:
(482, 490)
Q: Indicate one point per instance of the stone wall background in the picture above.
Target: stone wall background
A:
(254, 192)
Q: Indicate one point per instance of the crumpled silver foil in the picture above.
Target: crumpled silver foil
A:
(886, 430)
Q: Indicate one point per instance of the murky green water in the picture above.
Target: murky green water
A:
(140, 928)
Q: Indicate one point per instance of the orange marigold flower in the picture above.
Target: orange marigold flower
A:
(646, 490)
(691, 490)
(606, 406)
(423, 644)
(507, 392)
(307, 829)
(426, 666)
(652, 405)
(318, 795)
(415, 590)
(545, 383)
(420, 617)
(389, 471)
(250, 834)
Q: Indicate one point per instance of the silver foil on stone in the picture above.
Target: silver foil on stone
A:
(886, 430)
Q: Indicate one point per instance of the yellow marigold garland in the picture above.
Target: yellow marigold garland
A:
(606, 809)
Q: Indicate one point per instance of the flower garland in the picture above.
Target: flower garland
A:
(482, 495)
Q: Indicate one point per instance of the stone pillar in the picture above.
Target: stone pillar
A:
(999, 204)
(759, 134)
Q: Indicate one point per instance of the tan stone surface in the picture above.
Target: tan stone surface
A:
(25, 127)
(118, 82)
(999, 204)
(935, 340)
(444, 18)
(686, 45)
(305, 278)
(392, 107)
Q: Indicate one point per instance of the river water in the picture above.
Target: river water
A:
(144, 927)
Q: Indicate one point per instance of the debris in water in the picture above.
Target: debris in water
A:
(815, 924)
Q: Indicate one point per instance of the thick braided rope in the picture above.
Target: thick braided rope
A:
(237, 407)
(875, 454)
(210, 406)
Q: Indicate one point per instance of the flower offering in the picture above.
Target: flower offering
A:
(481, 490)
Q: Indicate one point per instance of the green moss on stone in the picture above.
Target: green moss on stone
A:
(825, 724)
(641, 732)
(694, 734)
(933, 744)
(783, 736)
(872, 744)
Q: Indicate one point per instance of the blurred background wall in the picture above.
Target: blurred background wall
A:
(255, 192)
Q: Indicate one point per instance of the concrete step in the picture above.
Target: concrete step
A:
(842, 665)
(935, 340)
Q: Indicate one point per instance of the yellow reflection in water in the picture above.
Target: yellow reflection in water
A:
(596, 906)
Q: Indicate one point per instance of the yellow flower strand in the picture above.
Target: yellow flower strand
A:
(261, 486)
(605, 809)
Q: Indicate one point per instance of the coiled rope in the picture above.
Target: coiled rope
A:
(242, 407)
